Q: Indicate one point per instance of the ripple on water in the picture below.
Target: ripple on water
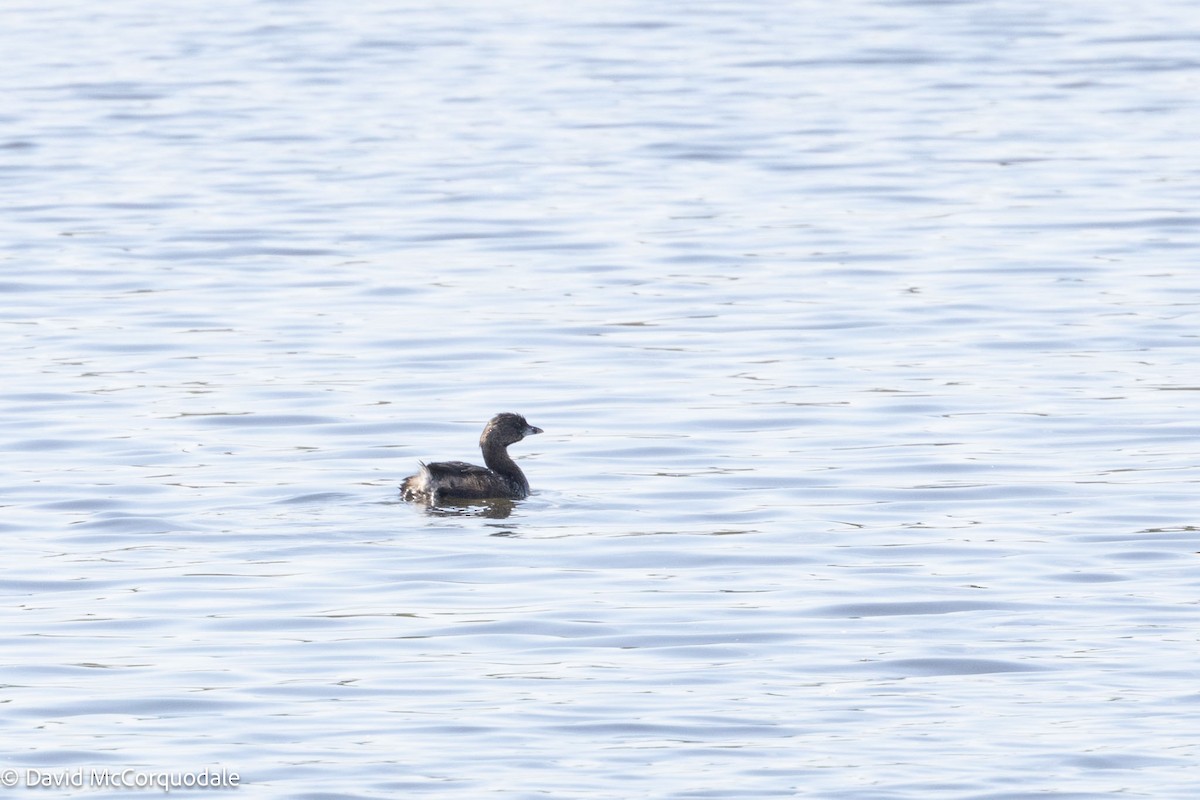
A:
(930, 667)
(856, 610)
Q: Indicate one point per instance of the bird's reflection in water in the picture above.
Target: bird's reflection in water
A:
(497, 508)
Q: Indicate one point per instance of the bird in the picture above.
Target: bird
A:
(458, 480)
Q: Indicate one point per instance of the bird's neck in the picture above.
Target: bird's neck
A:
(499, 461)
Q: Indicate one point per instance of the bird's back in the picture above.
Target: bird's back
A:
(459, 480)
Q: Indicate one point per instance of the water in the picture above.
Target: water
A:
(864, 339)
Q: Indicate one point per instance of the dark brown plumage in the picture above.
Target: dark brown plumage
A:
(458, 480)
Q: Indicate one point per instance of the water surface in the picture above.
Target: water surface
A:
(864, 339)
